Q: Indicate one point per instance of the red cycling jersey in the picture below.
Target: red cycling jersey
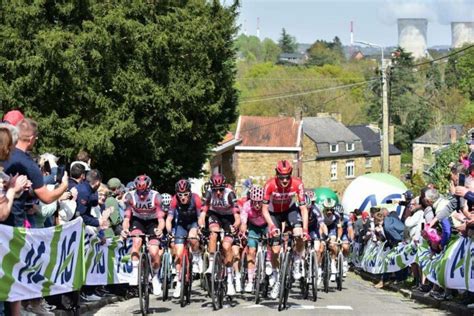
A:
(282, 199)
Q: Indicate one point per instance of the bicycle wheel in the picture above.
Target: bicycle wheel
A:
(243, 270)
(166, 270)
(189, 277)
(327, 270)
(340, 270)
(183, 279)
(314, 275)
(305, 281)
(144, 283)
(259, 276)
(284, 276)
(216, 282)
(205, 265)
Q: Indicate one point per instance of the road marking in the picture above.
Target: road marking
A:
(304, 307)
(339, 307)
(253, 306)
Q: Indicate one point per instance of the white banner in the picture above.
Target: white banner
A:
(40, 262)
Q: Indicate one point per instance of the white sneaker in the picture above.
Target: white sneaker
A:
(333, 277)
(275, 291)
(268, 268)
(320, 276)
(249, 287)
(134, 277)
(209, 269)
(345, 267)
(297, 269)
(90, 298)
(157, 290)
(39, 309)
(273, 279)
(238, 285)
(177, 290)
(230, 289)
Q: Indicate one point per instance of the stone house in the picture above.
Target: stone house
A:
(259, 142)
(425, 146)
(333, 154)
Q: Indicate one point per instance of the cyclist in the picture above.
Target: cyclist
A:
(316, 228)
(281, 195)
(347, 235)
(221, 204)
(143, 214)
(332, 221)
(253, 220)
(184, 212)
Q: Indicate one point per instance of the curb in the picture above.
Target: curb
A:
(423, 298)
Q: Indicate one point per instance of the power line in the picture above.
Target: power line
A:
(308, 92)
(445, 56)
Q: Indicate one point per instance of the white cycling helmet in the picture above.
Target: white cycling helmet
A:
(166, 200)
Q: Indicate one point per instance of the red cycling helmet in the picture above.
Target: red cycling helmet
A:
(182, 186)
(284, 167)
(256, 193)
(218, 181)
(142, 183)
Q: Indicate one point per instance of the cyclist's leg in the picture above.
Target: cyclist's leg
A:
(295, 221)
(214, 224)
(136, 228)
(275, 242)
(227, 221)
(252, 243)
(180, 234)
(236, 250)
(197, 259)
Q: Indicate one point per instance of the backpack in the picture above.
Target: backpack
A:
(393, 228)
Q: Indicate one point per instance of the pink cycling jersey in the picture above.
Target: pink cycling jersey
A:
(255, 217)
(282, 199)
(146, 209)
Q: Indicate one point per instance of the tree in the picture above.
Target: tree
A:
(439, 174)
(287, 42)
(146, 87)
(271, 50)
(320, 54)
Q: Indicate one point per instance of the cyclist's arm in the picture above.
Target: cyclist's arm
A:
(160, 215)
(235, 209)
(350, 231)
(169, 220)
(204, 209)
(303, 208)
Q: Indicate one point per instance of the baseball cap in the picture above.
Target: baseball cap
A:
(86, 166)
(13, 117)
(114, 183)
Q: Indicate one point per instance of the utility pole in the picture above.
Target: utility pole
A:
(385, 121)
(384, 150)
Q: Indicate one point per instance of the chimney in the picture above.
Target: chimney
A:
(391, 134)
(453, 135)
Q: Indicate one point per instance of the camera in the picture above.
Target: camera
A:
(399, 202)
(60, 174)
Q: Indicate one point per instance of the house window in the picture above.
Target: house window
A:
(426, 152)
(333, 148)
(350, 168)
(368, 162)
(350, 147)
(334, 170)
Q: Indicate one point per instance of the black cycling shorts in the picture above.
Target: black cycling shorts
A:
(292, 217)
(224, 221)
(143, 226)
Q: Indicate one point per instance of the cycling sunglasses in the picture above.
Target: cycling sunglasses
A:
(284, 177)
(218, 189)
(181, 195)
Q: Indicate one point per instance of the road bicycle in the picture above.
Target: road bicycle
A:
(311, 272)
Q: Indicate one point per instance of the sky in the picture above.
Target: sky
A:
(374, 20)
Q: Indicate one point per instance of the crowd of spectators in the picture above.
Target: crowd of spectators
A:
(434, 216)
(37, 192)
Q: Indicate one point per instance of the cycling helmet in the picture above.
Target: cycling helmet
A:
(182, 186)
(284, 167)
(218, 181)
(256, 193)
(166, 200)
(142, 183)
(339, 209)
(329, 204)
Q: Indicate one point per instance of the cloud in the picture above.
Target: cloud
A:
(455, 11)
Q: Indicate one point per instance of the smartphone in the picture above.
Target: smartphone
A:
(462, 179)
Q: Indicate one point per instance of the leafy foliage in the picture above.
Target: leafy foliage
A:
(439, 174)
(287, 43)
(252, 50)
(145, 86)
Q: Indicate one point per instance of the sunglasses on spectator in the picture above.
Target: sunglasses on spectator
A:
(185, 194)
(284, 177)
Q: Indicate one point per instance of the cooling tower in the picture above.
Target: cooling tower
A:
(412, 36)
(462, 33)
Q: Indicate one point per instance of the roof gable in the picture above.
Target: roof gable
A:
(371, 140)
(268, 131)
(440, 135)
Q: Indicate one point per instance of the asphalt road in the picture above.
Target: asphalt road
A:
(358, 297)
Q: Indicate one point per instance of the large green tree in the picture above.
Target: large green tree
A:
(287, 42)
(145, 86)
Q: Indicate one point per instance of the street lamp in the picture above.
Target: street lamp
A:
(385, 152)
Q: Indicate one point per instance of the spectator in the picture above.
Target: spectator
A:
(464, 159)
(87, 198)
(393, 228)
(20, 162)
(433, 202)
(471, 151)
(114, 201)
(13, 117)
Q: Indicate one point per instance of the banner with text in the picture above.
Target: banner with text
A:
(40, 262)
(107, 263)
